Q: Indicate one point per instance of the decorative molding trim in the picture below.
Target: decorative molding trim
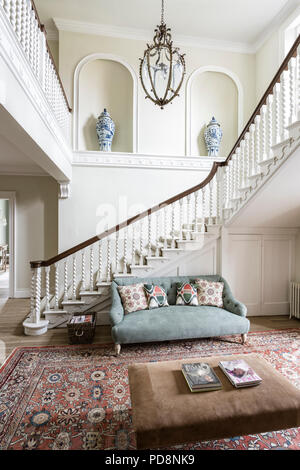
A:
(143, 161)
(80, 65)
(20, 171)
(64, 189)
(136, 34)
(188, 98)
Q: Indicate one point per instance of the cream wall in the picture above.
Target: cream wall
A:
(36, 222)
(213, 94)
(98, 82)
(54, 48)
(102, 197)
(267, 63)
(160, 131)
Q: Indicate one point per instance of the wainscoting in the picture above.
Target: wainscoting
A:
(259, 265)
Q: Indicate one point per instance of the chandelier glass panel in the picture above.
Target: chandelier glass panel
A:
(162, 68)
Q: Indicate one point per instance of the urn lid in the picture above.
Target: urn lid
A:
(213, 122)
(105, 113)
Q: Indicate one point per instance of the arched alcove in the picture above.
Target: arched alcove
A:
(213, 91)
(104, 81)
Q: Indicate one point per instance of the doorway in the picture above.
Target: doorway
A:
(7, 258)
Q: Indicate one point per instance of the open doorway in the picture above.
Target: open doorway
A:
(4, 247)
(7, 243)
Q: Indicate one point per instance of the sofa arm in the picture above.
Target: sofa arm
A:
(234, 306)
(116, 313)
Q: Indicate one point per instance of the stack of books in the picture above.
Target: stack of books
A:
(82, 319)
(240, 373)
(200, 377)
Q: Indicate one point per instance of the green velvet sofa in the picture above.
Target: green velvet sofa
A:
(176, 321)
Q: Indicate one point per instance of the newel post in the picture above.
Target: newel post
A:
(33, 324)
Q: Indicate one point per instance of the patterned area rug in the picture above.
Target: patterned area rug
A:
(77, 397)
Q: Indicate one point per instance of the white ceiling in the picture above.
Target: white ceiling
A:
(14, 162)
(237, 21)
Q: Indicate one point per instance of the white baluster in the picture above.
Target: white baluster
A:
(157, 233)
(166, 226)
(18, 18)
(203, 212)
(133, 245)
(149, 235)
(108, 268)
(100, 261)
(180, 219)
(238, 171)
(92, 268)
(13, 14)
(283, 106)
(173, 225)
(7, 7)
(211, 201)
(247, 157)
(47, 285)
(188, 217)
(83, 272)
(32, 298)
(66, 280)
(141, 244)
(264, 155)
(38, 284)
(270, 126)
(125, 250)
(276, 93)
(257, 143)
(220, 193)
(56, 286)
(232, 167)
(196, 196)
(74, 278)
(252, 150)
(117, 254)
(242, 165)
(292, 91)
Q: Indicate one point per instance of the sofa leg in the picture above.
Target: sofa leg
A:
(244, 338)
(117, 349)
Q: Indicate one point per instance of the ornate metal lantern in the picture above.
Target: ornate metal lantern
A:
(162, 68)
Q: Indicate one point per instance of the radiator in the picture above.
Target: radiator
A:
(295, 299)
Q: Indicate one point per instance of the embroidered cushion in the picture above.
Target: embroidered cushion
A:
(133, 297)
(186, 294)
(156, 296)
(210, 293)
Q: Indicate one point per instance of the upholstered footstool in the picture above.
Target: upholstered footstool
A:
(166, 413)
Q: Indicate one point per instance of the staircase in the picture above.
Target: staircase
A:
(150, 242)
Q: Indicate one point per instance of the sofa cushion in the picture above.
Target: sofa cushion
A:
(133, 297)
(178, 322)
(186, 294)
(156, 296)
(210, 293)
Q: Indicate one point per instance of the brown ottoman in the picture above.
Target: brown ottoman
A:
(166, 413)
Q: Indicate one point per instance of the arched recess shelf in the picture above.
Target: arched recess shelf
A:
(80, 71)
(191, 80)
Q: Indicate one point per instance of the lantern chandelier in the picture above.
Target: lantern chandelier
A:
(162, 68)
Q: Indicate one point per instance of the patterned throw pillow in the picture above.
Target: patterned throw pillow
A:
(156, 296)
(186, 294)
(210, 293)
(133, 297)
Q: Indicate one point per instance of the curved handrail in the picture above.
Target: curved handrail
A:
(206, 181)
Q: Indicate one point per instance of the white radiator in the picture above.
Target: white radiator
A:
(295, 299)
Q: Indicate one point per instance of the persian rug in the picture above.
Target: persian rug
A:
(77, 397)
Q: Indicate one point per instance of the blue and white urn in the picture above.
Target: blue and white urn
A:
(213, 136)
(105, 128)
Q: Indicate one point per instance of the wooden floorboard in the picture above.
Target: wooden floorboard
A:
(13, 312)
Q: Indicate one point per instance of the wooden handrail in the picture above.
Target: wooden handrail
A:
(216, 165)
(43, 29)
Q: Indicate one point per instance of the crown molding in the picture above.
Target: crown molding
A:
(142, 161)
(81, 27)
(274, 25)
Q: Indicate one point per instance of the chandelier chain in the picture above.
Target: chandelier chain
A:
(162, 11)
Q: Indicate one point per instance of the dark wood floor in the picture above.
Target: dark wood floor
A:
(13, 312)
